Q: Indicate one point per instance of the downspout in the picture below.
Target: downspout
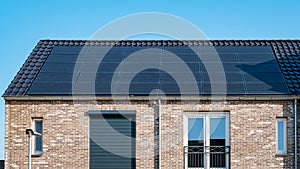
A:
(295, 135)
(159, 134)
(29, 150)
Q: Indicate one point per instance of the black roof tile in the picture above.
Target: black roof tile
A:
(287, 53)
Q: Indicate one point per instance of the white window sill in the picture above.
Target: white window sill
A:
(36, 155)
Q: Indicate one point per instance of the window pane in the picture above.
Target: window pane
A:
(38, 145)
(39, 126)
(280, 135)
(195, 141)
(217, 128)
(195, 129)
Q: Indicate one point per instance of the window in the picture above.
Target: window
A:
(281, 136)
(206, 140)
(37, 140)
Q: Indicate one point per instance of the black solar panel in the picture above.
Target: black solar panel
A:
(174, 70)
(181, 77)
(50, 77)
(256, 58)
(58, 67)
(261, 67)
(179, 58)
(51, 88)
(271, 88)
(224, 88)
(179, 49)
(217, 58)
(62, 58)
(68, 50)
(219, 77)
(254, 49)
(224, 49)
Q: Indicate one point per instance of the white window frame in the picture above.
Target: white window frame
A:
(206, 130)
(284, 151)
(34, 152)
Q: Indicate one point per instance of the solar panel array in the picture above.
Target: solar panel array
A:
(174, 70)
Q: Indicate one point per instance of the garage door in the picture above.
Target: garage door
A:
(112, 139)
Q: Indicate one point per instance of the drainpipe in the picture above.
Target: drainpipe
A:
(159, 133)
(295, 134)
(28, 132)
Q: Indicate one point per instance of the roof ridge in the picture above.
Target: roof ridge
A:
(48, 42)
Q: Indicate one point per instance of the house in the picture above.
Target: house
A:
(156, 104)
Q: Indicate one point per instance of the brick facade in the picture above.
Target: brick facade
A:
(65, 139)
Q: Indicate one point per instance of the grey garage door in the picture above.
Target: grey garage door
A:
(112, 139)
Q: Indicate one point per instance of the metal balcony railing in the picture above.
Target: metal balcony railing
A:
(198, 157)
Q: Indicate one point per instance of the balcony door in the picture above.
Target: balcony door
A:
(206, 140)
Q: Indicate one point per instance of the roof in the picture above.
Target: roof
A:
(286, 55)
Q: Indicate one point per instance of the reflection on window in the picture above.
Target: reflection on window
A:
(38, 140)
(195, 131)
(281, 147)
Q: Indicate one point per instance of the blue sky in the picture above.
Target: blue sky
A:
(24, 23)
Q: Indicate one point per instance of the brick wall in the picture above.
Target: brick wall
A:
(65, 140)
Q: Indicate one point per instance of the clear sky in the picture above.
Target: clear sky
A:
(24, 23)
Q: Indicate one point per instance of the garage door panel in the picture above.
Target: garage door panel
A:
(112, 141)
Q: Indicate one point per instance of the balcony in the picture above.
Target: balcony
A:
(207, 157)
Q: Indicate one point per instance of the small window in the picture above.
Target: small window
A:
(281, 136)
(38, 140)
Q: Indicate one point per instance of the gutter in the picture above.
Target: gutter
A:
(295, 135)
(137, 97)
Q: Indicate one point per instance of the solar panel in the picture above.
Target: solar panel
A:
(218, 58)
(52, 88)
(94, 77)
(62, 58)
(221, 67)
(68, 50)
(50, 77)
(254, 49)
(95, 50)
(138, 88)
(224, 49)
(180, 88)
(104, 58)
(139, 78)
(256, 58)
(58, 67)
(180, 77)
(223, 88)
(261, 67)
(142, 49)
(217, 49)
(271, 88)
(92, 88)
(258, 77)
(180, 67)
(174, 70)
(178, 49)
(179, 58)
(219, 77)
